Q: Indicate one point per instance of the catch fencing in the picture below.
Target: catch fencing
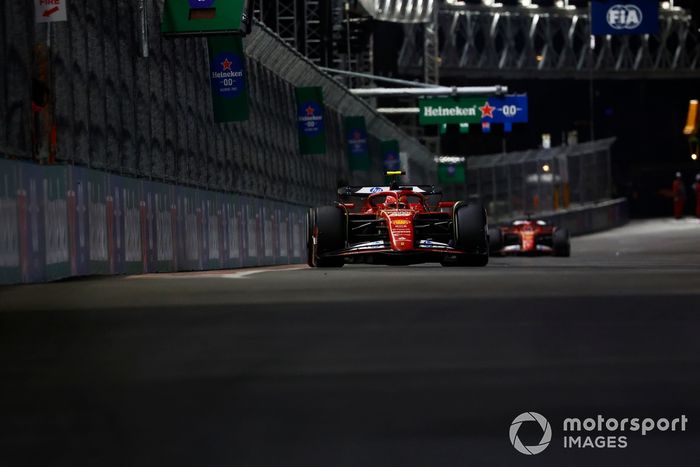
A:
(114, 95)
(541, 180)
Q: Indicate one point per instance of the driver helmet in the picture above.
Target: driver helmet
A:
(390, 201)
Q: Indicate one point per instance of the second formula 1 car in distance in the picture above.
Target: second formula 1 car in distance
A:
(397, 224)
(529, 237)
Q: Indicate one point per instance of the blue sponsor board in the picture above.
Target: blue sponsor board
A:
(197, 4)
(227, 75)
(310, 116)
(31, 223)
(115, 223)
(79, 221)
(625, 17)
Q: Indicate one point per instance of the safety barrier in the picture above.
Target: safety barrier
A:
(591, 217)
(63, 221)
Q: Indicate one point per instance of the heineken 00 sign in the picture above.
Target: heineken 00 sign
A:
(391, 156)
(312, 132)
(229, 90)
(358, 151)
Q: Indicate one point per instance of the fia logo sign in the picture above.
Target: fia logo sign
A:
(624, 17)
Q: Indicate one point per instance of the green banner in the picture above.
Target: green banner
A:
(391, 155)
(181, 17)
(452, 174)
(310, 117)
(436, 111)
(357, 143)
(229, 89)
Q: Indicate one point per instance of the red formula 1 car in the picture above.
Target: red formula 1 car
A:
(397, 225)
(529, 237)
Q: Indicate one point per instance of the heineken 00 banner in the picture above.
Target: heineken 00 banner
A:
(229, 89)
(451, 174)
(356, 136)
(390, 155)
(312, 131)
(441, 110)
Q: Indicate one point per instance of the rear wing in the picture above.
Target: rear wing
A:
(365, 191)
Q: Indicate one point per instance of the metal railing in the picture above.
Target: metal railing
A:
(541, 180)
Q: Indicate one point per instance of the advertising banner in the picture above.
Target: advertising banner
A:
(9, 223)
(231, 219)
(310, 118)
(79, 221)
(132, 206)
(204, 17)
(115, 224)
(229, 81)
(452, 174)
(618, 17)
(56, 222)
(436, 111)
(269, 234)
(357, 147)
(253, 232)
(506, 110)
(97, 213)
(190, 228)
(390, 155)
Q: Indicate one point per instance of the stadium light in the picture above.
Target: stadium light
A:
(694, 156)
(546, 168)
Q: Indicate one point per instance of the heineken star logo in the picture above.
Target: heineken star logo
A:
(310, 111)
(357, 135)
(487, 110)
(226, 64)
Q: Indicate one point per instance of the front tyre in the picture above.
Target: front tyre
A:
(471, 236)
(326, 235)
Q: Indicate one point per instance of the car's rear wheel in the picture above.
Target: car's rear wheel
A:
(326, 234)
(561, 242)
(470, 231)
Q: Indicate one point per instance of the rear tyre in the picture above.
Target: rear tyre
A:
(328, 228)
(471, 235)
(495, 241)
(561, 243)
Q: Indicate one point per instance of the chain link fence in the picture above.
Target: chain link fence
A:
(541, 180)
(116, 96)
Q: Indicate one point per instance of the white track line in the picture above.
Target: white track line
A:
(224, 274)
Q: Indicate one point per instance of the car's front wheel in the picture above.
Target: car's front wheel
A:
(326, 234)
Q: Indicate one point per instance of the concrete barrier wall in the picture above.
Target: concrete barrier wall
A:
(63, 221)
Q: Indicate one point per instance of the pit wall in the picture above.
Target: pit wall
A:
(63, 221)
(589, 218)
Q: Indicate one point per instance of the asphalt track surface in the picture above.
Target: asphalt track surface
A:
(362, 366)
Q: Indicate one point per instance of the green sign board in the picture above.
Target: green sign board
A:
(229, 87)
(452, 174)
(357, 143)
(443, 110)
(206, 17)
(310, 118)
